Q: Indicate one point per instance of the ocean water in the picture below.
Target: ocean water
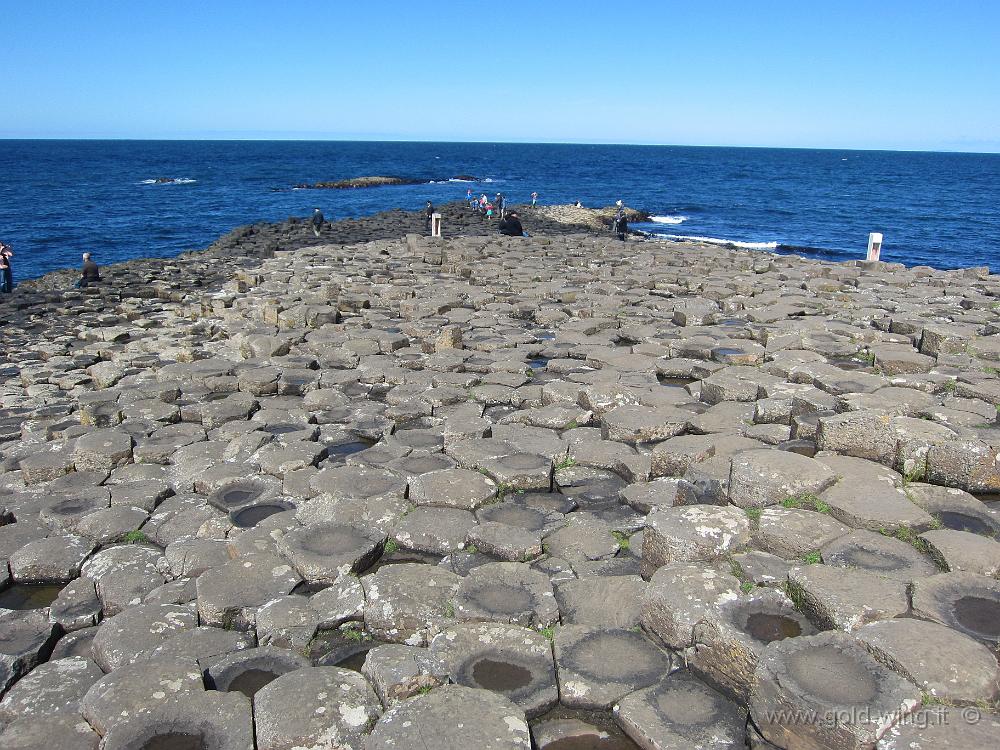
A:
(61, 198)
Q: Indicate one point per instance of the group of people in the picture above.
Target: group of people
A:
(485, 207)
(90, 273)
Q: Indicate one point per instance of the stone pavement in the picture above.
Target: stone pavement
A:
(560, 492)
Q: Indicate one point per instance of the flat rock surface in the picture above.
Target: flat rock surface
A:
(312, 448)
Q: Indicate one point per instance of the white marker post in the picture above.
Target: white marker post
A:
(435, 225)
(874, 245)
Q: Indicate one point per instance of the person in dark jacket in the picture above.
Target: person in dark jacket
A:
(317, 221)
(428, 216)
(6, 269)
(511, 226)
(90, 273)
(621, 226)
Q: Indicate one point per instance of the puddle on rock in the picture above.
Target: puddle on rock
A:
(979, 615)
(22, 596)
(339, 453)
(538, 363)
(250, 516)
(308, 589)
(607, 734)
(174, 741)
(501, 676)
(957, 521)
(252, 680)
(767, 628)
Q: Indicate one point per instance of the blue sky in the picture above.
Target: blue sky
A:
(902, 75)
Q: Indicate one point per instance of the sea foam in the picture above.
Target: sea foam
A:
(668, 219)
(718, 241)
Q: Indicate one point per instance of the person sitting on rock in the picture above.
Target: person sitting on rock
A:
(91, 273)
(317, 221)
(510, 225)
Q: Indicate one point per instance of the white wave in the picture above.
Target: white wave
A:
(488, 179)
(455, 179)
(668, 219)
(718, 241)
(169, 181)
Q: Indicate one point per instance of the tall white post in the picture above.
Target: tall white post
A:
(435, 225)
(874, 245)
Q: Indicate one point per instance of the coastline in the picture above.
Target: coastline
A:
(526, 452)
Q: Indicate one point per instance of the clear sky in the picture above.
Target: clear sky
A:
(874, 74)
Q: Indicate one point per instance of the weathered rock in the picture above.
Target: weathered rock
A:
(484, 720)
(598, 667)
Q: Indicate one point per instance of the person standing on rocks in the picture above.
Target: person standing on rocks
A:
(6, 270)
(317, 221)
(621, 225)
(428, 216)
(534, 199)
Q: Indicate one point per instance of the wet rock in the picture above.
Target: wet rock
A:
(878, 554)
(322, 553)
(507, 593)
(832, 675)
(598, 667)
(215, 721)
(601, 601)
(513, 661)
(679, 712)
(248, 670)
(967, 602)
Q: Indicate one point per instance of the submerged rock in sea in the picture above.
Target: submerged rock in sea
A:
(611, 482)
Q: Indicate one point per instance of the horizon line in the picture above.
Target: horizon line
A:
(494, 143)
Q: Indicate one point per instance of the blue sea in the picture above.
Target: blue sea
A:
(61, 198)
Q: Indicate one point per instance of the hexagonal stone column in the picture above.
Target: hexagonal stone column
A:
(409, 603)
(452, 488)
(766, 477)
(324, 552)
(598, 667)
(102, 450)
(314, 707)
(826, 691)
(680, 713)
(967, 602)
(207, 720)
(228, 596)
(508, 593)
(513, 661)
(458, 718)
(691, 532)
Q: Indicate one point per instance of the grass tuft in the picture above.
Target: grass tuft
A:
(134, 537)
(566, 463)
(391, 546)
